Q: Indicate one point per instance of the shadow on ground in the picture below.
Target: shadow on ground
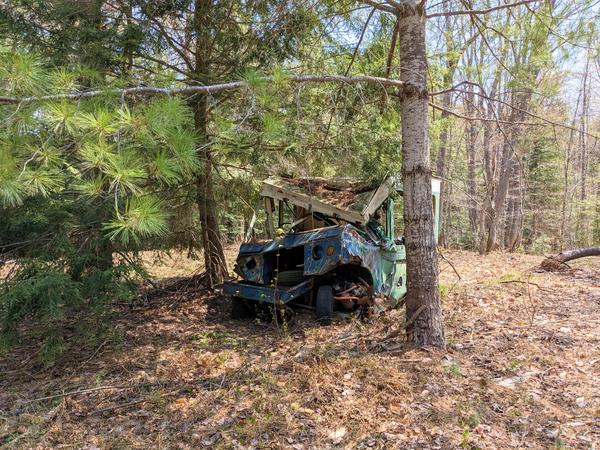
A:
(521, 371)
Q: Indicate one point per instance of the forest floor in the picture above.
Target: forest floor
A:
(522, 370)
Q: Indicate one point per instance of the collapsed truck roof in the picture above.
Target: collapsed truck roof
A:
(347, 199)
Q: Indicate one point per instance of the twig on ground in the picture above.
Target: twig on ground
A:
(415, 316)
(400, 330)
(137, 402)
(78, 392)
(450, 264)
(525, 282)
(91, 357)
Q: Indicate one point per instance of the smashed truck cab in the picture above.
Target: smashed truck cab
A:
(328, 243)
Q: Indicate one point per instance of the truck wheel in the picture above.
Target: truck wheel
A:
(239, 308)
(324, 305)
(290, 277)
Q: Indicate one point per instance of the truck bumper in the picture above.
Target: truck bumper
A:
(267, 294)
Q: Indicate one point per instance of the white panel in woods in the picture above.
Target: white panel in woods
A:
(436, 184)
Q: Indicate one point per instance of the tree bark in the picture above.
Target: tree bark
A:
(500, 192)
(565, 224)
(451, 61)
(423, 306)
(557, 262)
(509, 153)
(471, 137)
(441, 165)
(581, 223)
(490, 153)
(215, 265)
(514, 209)
(490, 184)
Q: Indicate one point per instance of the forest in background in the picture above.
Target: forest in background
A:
(90, 173)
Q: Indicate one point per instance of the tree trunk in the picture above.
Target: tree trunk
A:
(508, 162)
(500, 193)
(490, 184)
(423, 307)
(514, 210)
(490, 150)
(471, 137)
(583, 130)
(215, 265)
(441, 166)
(581, 224)
(565, 225)
(451, 61)
(557, 262)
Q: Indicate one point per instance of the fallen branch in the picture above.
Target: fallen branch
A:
(558, 262)
(79, 392)
(527, 283)
(415, 316)
(120, 406)
(450, 264)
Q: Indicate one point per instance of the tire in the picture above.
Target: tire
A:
(239, 308)
(290, 277)
(324, 305)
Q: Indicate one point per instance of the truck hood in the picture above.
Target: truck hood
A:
(294, 240)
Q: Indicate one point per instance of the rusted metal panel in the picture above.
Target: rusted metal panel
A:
(323, 255)
(290, 240)
(267, 294)
(252, 268)
(270, 189)
(328, 248)
(359, 241)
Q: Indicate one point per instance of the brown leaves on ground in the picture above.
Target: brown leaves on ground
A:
(522, 371)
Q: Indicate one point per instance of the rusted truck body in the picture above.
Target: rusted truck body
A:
(329, 243)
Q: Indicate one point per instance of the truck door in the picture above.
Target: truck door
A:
(393, 256)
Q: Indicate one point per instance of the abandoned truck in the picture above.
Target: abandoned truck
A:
(328, 243)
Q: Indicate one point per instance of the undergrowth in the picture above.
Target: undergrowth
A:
(41, 298)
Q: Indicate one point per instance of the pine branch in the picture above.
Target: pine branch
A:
(207, 89)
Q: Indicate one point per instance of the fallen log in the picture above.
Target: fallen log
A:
(559, 262)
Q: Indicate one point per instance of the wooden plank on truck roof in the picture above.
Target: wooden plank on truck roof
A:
(382, 192)
(271, 188)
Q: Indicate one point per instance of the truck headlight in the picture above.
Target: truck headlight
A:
(250, 263)
(317, 252)
(246, 268)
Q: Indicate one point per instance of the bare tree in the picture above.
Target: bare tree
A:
(423, 306)
(447, 81)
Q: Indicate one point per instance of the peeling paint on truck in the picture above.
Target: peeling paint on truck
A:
(328, 254)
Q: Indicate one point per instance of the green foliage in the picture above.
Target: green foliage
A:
(254, 78)
(61, 116)
(99, 150)
(44, 293)
(21, 73)
(143, 217)
(80, 181)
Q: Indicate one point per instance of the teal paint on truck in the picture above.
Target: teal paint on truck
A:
(357, 251)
